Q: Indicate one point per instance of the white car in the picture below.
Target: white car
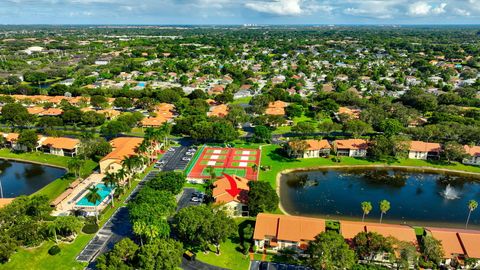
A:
(186, 159)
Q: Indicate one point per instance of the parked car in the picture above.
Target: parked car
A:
(189, 154)
(196, 199)
(186, 159)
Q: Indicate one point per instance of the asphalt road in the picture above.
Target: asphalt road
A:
(258, 265)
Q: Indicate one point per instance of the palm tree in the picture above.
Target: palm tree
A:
(366, 208)
(52, 230)
(384, 207)
(111, 180)
(121, 174)
(75, 165)
(93, 196)
(472, 205)
(131, 164)
(139, 228)
(151, 232)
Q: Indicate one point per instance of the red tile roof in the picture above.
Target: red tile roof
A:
(354, 144)
(419, 146)
(221, 186)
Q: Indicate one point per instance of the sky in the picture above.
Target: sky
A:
(261, 12)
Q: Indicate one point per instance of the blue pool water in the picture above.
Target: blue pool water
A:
(103, 190)
(141, 84)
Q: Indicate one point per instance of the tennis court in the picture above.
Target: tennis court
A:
(236, 161)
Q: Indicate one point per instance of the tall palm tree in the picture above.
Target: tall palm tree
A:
(131, 164)
(139, 228)
(472, 205)
(384, 207)
(366, 208)
(111, 180)
(93, 196)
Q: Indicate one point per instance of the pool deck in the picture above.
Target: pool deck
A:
(68, 204)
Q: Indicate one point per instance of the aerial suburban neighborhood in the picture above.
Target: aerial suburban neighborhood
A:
(254, 146)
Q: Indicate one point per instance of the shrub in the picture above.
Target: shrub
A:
(54, 250)
(90, 228)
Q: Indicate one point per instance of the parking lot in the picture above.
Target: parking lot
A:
(175, 158)
(186, 199)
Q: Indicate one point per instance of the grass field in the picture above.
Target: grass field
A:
(220, 171)
(230, 257)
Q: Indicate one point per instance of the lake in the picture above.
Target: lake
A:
(21, 178)
(416, 198)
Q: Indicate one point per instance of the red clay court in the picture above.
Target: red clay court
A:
(236, 161)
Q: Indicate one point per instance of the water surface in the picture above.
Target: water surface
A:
(416, 198)
(21, 178)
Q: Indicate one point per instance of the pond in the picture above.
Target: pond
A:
(20, 178)
(416, 198)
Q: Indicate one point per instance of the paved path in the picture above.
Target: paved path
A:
(198, 265)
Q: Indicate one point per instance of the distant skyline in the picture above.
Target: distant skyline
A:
(171, 12)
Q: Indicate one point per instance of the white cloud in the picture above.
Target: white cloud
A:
(422, 8)
(461, 12)
(277, 7)
(439, 9)
(419, 9)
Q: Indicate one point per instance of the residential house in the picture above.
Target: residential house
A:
(473, 153)
(457, 243)
(235, 204)
(275, 232)
(351, 147)
(59, 146)
(424, 150)
(122, 147)
(353, 113)
(242, 94)
(276, 108)
(218, 111)
(315, 148)
(11, 142)
(163, 114)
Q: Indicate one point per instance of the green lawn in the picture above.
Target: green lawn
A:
(230, 257)
(286, 129)
(244, 100)
(39, 259)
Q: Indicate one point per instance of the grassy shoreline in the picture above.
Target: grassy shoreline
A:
(56, 187)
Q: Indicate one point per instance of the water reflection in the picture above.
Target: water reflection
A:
(19, 178)
(415, 197)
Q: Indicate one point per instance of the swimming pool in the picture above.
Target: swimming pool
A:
(142, 84)
(103, 190)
